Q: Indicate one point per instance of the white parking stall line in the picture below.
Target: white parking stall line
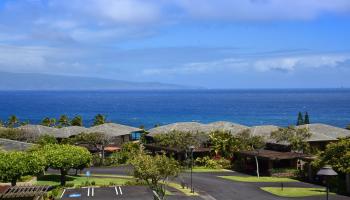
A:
(88, 194)
(120, 189)
(63, 193)
(116, 191)
(92, 191)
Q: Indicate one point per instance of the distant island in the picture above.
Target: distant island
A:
(32, 81)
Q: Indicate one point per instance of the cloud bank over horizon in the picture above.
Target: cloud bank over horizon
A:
(218, 44)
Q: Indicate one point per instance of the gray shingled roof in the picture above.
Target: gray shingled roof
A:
(113, 130)
(264, 130)
(110, 129)
(324, 132)
(198, 127)
(12, 145)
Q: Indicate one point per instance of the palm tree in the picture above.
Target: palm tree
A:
(13, 121)
(64, 121)
(46, 121)
(52, 122)
(77, 121)
(99, 119)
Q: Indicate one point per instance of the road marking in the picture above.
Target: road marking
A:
(92, 191)
(116, 191)
(88, 192)
(120, 189)
(63, 193)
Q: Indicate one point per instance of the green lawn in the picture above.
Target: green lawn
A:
(54, 180)
(186, 191)
(203, 169)
(258, 180)
(295, 192)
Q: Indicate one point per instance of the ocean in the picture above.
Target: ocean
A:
(147, 108)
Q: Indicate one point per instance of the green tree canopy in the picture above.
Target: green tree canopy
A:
(296, 137)
(63, 121)
(348, 127)
(337, 154)
(12, 121)
(46, 121)
(13, 165)
(65, 157)
(152, 170)
(77, 121)
(306, 118)
(300, 120)
(180, 140)
(99, 119)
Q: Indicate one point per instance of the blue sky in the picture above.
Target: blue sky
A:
(213, 44)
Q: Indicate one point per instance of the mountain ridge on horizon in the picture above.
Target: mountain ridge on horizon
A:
(40, 81)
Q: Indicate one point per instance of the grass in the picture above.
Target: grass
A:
(294, 191)
(186, 191)
(54, 180)
(204, 169)
(262, 179)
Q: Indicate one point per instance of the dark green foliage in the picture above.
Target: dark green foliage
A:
(127, 152)
(348, 127)
(13, 121)
(306, 118)
(180, 140)
(63, 121)
(46, 121)
(99, 119)
(46, 139)
(15, 134)
(296, 137)
(300, 120)
(77, 121)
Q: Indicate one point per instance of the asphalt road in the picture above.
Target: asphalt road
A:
(211, 187)
(109, 193)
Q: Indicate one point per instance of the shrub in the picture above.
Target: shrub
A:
(213, 163)
(69, 185)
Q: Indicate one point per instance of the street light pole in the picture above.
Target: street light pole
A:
(327, 172)
(191, 149)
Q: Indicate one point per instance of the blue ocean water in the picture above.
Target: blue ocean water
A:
(135, 108)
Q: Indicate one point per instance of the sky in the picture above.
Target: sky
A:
(206, 43)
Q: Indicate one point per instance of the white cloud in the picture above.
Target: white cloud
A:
(258, 10)
(256, 64)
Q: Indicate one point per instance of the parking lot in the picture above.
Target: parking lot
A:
(108, 193)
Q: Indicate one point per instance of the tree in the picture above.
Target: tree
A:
(77, 121)
(337, 155)
(66, 157)
(348, 127)
(63, 121)
(296, 137)
(53, 122)
(95, 139)
(300, 120)
(46, 121)
(223, 143)
(180, 140)
(152, 170)
(13, 165)
(12, 121)
(99, 119)
(306, 118)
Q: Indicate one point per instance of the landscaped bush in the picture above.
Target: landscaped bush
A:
(213, 163)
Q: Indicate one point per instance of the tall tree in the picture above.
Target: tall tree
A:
(306, 118)
(12, 121)
(95, 139)
(155, 169)
(66, 157)
(77, 121)
(46, 121)
(348, 127)
(300, 120)
(223, 143)
(337, 155)
(13, 165)
(63, 121)
(53, 122)
(99, 119)
(296, 137)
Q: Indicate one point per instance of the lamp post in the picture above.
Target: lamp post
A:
(191, 150)
(327, 172)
